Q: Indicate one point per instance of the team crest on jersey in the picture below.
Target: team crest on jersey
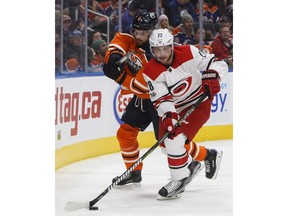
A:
(181, 87)
(134, 63)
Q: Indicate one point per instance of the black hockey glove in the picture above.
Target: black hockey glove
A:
(113, 70)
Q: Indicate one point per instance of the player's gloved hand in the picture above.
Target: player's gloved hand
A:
(134, 63)
(210, 78)
(113, 70)
(169, 120)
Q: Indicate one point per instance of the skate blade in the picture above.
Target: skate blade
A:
(197, 171)
(161, 198)
(128, 186)
(218, 162)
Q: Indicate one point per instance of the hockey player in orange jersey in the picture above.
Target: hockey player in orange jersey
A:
(175, 82)
(139, 112)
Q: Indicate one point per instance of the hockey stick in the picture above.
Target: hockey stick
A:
(73, 206)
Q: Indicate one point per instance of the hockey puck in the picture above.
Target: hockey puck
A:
(94, 208)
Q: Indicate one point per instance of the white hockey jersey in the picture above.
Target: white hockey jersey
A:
(180, 85)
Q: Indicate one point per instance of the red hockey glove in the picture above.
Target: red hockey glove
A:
(169, 119)
(210, 78)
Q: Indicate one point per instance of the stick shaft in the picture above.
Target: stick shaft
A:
(193, 107)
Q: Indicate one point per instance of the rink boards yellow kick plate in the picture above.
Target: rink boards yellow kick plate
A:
(92, 148)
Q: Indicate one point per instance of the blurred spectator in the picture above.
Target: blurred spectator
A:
(164, 9)
(223, 46)
(57, 19)
(104, 7)
(176, 9)
(130, 10)
(149, 5)
(184, 33)
(124, 3)
(226, 10)
(67, 21)
(163, 22)
(208, 23)
(74, 53)
(81, 26)
(225, 21)
(57, 52)
(206, 12)
(100, 47)
(99, 23)
(95, 35)
(127, 17)
(73, 7)
(194, 2)
(205, 44)
(209, 36)
(67, 28)
(229, 9)
(215, 14)
(224, 6)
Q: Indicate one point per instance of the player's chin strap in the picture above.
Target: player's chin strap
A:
(73, 206)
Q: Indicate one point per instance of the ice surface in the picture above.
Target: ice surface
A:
(85, 180)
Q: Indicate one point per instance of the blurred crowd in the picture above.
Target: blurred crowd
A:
(76, 52)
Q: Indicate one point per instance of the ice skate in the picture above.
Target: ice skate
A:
(212, 163)
(172, 190)
(195, 167)
(132, 178)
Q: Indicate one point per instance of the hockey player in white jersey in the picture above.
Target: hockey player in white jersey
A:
(177, 77)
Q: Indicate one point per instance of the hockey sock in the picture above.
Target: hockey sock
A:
(127, 137)
(197, 152)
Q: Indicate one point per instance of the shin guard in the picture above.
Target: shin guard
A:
(127, 137)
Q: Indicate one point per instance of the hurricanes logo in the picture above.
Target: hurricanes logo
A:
(181, 87)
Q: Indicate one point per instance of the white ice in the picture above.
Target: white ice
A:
(85, 180)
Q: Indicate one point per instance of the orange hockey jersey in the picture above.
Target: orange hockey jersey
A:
(134, 83)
